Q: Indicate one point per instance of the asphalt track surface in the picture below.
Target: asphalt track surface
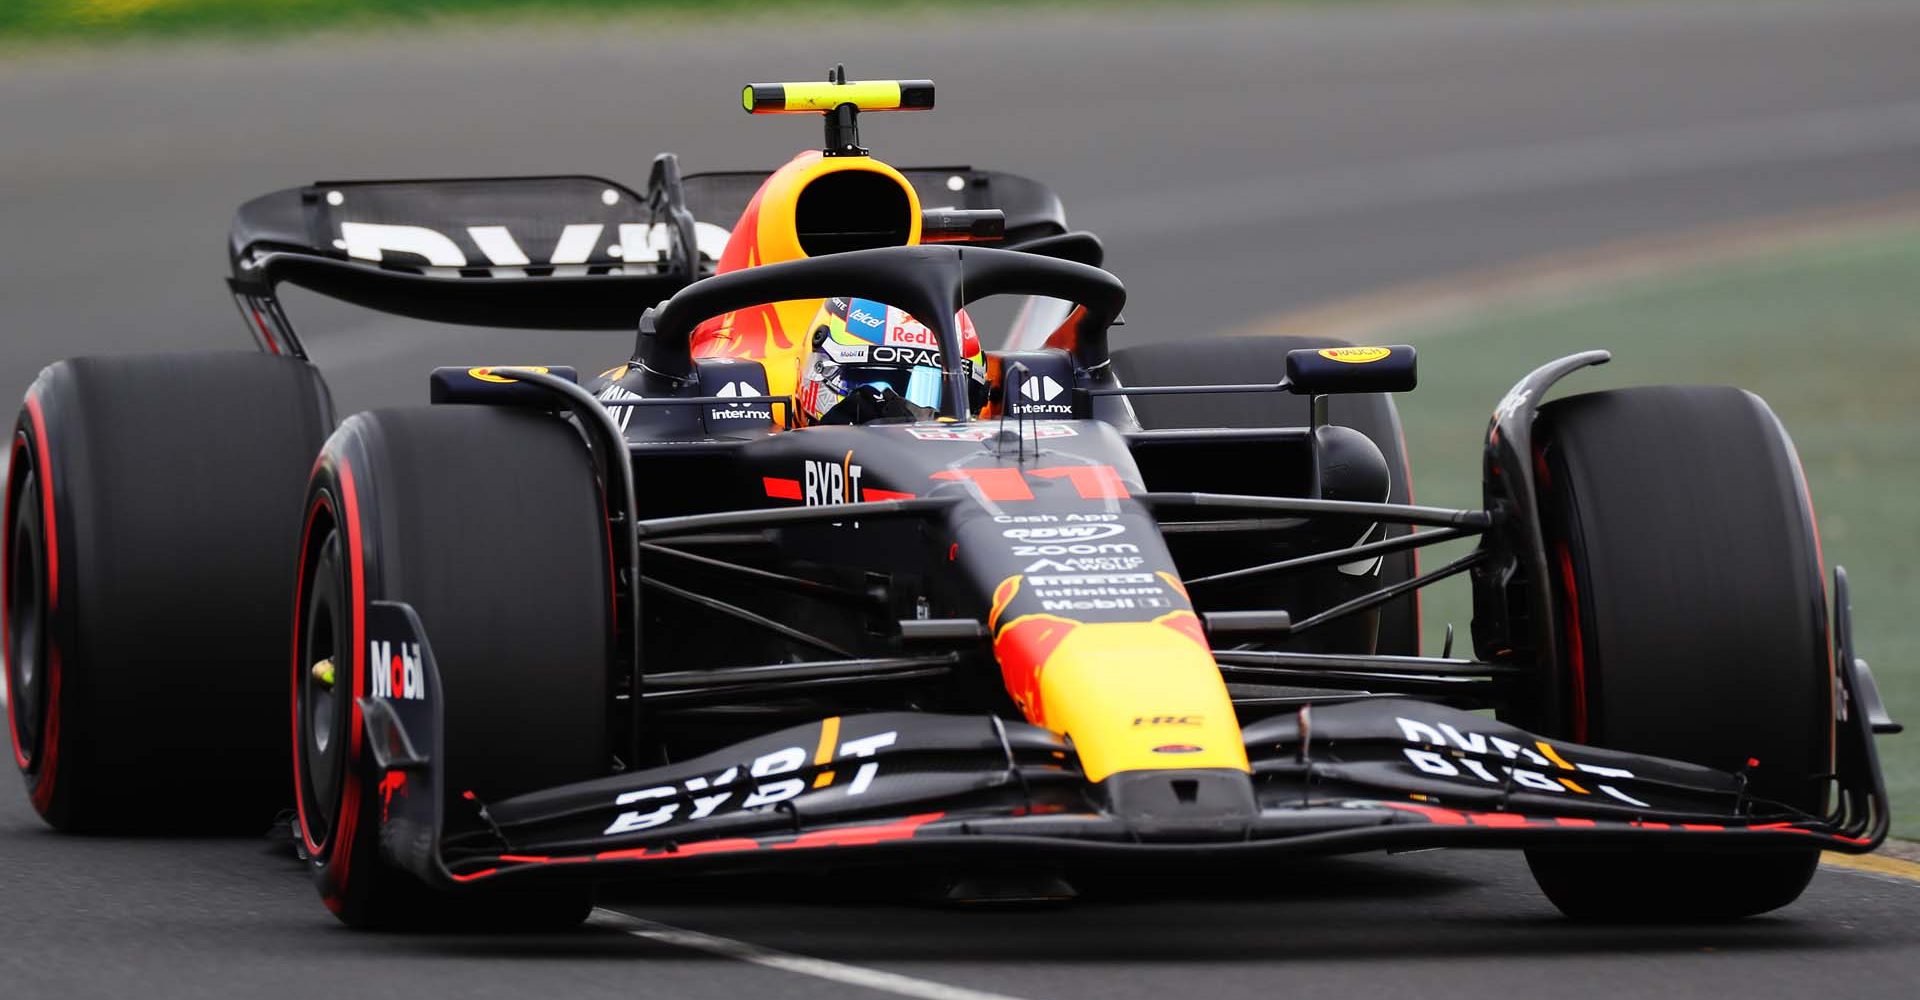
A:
(1237, 163)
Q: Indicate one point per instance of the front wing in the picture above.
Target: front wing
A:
(914, 787)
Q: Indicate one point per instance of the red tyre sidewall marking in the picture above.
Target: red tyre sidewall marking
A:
(49, 764)
(337, 862)
(341, 857)
(1576, 646)
(315, 849)
(20, 757)
(44, 466)
(1576, 643)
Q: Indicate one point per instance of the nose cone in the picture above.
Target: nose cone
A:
(1131, 696)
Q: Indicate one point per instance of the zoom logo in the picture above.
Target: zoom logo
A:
(1077, 549)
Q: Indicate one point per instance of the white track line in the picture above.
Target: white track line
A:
(819, 968)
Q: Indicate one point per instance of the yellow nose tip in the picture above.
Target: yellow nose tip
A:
(323, 672)
(1139, 696)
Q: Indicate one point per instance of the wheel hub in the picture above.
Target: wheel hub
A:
(322, 711)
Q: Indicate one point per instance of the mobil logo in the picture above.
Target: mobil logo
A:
(394, 668)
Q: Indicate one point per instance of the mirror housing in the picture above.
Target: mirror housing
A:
(1352, 369)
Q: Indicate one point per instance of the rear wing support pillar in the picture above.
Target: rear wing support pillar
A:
(260, 310)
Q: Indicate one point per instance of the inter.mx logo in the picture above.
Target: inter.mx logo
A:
(736, 411)
(395, 670)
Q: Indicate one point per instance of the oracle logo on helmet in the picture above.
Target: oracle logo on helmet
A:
(887, 355)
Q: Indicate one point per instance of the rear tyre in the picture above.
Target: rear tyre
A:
(489, 523)
(1231, 360)
(1688, 573)
(150, 511)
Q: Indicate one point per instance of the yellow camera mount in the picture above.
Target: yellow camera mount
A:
(840, 102)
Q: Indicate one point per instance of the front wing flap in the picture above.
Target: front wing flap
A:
(1352, 776)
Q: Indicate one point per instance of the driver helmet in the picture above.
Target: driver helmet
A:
(872, 361)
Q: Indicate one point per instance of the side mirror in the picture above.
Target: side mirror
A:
(1352, 369)
(492, 384)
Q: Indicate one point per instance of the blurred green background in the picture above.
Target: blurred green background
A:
(110, 19)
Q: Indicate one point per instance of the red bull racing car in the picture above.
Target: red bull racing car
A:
(750, 602)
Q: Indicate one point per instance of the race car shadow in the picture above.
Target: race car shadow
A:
(1439, 905)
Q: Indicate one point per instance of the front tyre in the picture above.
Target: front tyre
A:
(1689, 582)
(489, 523)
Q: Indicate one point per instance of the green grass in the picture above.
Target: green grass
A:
(93, 20)
(106, 19)
(1830, 336)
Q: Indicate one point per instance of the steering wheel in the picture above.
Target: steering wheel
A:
(931, 283)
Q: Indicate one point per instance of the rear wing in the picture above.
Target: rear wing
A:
(558, 252)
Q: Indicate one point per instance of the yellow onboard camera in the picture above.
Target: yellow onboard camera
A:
(840, 102)
(865, 95)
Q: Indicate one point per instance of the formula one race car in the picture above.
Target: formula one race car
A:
(816, 579)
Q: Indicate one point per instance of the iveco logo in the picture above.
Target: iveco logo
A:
(1065, 532)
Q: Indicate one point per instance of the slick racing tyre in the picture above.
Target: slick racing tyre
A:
(1688, 572)
(489, 523)
(1234, 360)
(151, 507)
